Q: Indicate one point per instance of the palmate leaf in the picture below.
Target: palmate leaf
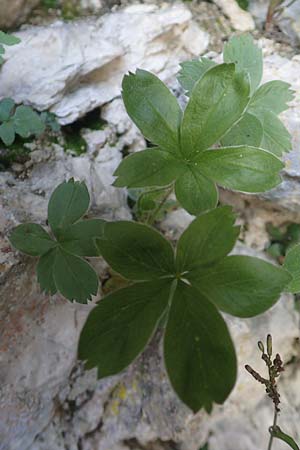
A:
(248, 131)
(192, 71)
(153, 109)
(199, 353)
(60, 267)
(272, 96)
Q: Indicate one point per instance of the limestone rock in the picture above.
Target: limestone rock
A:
(240, 20)
(15, 12)
(71, 68)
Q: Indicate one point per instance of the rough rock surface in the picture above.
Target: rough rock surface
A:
(240, 20)
(15, 12)
(74, 67)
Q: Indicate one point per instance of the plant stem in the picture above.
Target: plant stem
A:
(151, 219)
(274, 425)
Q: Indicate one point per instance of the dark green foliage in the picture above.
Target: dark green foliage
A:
(60, 267)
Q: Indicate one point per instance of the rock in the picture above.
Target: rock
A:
(15, 12)
(86, 60)
(240, 20)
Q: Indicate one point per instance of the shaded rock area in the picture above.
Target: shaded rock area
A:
(47, 401)
(15, 12)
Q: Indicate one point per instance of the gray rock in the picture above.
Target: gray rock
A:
(240, 20)
(71, 68)
(15, 12)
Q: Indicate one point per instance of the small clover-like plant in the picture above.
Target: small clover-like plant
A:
(61, 266)
(184, 287)
(222, 110)
(259, 126)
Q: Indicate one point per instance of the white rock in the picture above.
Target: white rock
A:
(240, 20)
(71, 68)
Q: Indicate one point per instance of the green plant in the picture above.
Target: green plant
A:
(6, 39)
(181, 289)
(225, 107)
(275, 368)
(185, 287)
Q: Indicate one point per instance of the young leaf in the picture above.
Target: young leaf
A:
(199, 353)
(247, 57)
(207, 239)
(241, 168)
(79, 238)
(68, 203)
(136, 251)
(152, 108)
(273, 96)
(192, 71)
(292, 265)
(276, 137)
(27, 122)
(6, 107)
(278, 434)
(152, 167)
(218, 100)
(8, 39)
(7, 132)
(241, 285)
(121, 325)
(74, 278)
(248, 131)
(195, 192)
(31, 239)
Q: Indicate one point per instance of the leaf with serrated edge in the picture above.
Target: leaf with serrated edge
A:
(195, 192)
(273, 96)
(31, 239)
(198, 350)
(276, 137)
(120, 326)
(241, 285)
(153, 108)
(45, 269)
(292, 265)
(74, 278)
(207, 239)
(217, 102)
(241, 168)
(247, 57)
(152, 167)
(68, 203)
(192, 71)
(136, 251)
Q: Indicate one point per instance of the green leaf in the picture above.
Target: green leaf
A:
(6, 107)
(242, 168)
(195, 192)
(152, 167)
(121, 325)
(79, 238)
(278, 434)
(45, 268)
(152, 108)
(74, 278)
(207, 239)
(27, 122)
(192, 71)
(8, 39)
(276, 137)
(292, 265)
(217, 102)
(199, 353)
(68, 203)
(136, 251)
(248, 131)
(273, 95)
(247, 57)
(31, 239)
(7, 132)
(241, 285)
